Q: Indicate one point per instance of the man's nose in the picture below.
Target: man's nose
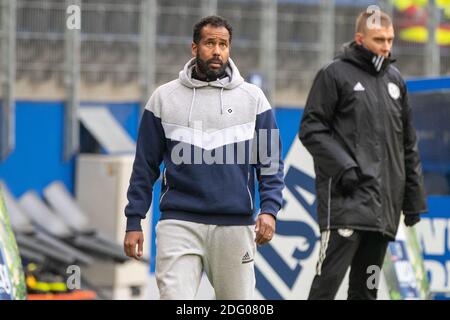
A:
(217, 51)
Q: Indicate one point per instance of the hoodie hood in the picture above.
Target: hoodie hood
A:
(364, 58)
(232, 80)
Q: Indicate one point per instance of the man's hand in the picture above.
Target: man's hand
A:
(265, 228)
(411, 219)
(349, 181)
(133, 238)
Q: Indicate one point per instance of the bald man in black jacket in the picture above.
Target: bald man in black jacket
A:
(357, 125)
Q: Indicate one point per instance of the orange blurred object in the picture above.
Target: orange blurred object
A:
(75, 295)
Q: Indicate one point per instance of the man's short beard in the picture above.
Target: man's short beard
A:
(204, 69)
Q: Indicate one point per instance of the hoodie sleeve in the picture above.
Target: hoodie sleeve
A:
(414, 200)
(150, 148)
(316, 127)
(269, 165)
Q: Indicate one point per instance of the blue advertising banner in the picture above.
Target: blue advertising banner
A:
(434, 235)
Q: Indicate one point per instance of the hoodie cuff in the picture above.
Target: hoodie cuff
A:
(270, 207)
(134, 224)
(407, 213)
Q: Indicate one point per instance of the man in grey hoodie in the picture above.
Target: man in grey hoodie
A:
(216, 135)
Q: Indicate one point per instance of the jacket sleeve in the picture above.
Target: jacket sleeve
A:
(269, 164)
(150, 149)
(316, 131)
(414, 200)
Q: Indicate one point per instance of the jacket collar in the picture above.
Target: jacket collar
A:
(364, 58)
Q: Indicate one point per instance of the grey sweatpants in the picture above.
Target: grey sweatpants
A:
(185, 249)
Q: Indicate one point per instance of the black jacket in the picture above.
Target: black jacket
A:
(357, 115)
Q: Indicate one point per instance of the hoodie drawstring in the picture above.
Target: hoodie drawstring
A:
(221, 97)
(221, 101)
(193, 101)
(192, 105)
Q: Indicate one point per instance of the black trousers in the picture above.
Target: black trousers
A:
(343, 248)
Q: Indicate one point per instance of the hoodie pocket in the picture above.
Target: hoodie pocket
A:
(204, 189)
(248, 190)
(166, 186)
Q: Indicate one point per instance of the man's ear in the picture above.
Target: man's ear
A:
(194, 49)
(359, 38)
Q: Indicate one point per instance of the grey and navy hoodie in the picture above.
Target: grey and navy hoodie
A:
(200, 131)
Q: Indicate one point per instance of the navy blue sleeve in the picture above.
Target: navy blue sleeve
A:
(269, 166)
(149, 154)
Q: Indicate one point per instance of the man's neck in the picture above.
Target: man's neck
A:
(202, 77)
